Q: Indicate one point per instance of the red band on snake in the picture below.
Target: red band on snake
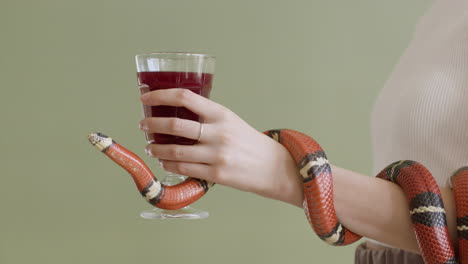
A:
(157, 194)
(423, 195)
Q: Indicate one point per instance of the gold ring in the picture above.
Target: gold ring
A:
(201, 132)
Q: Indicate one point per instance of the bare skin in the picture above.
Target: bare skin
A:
(234, 154)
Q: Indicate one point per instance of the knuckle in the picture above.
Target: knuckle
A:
(216, 174)
(176, 153)
(223, 158)
(184, 95)
(176, 125)
(225, 138)
(225, 113)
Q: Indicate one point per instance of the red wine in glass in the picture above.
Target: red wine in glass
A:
(199, 83)
(166, 70)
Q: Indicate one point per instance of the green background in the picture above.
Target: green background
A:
(67, 68)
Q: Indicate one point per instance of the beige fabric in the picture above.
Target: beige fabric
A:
(421, 113)
(364, 255)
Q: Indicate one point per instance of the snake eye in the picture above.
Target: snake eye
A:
(100, 140)
(96, 138)
(101, 135)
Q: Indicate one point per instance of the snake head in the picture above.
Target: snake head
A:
(100, 141)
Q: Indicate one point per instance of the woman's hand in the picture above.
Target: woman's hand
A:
(230, 152)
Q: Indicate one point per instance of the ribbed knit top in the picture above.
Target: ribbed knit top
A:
(421, 113)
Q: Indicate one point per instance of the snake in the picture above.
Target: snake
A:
(422, 193)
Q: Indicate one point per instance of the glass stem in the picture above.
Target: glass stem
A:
(172, 179)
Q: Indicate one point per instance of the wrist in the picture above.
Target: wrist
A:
(289, 181)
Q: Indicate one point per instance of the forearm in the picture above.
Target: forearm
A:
(378, 209)
(372, 207)
(234, 154)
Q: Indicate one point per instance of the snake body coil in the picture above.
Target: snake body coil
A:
(157, 194)
(422, 193)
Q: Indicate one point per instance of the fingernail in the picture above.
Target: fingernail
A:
(148, 152)
(143, 126)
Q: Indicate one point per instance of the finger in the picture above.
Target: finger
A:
(173, 126)
(207, 109)
(178, 127)
(195, 170)
(185, 153)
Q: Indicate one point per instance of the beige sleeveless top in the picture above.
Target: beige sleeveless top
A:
(421, 113)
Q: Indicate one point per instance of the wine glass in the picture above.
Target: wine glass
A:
(165, 70)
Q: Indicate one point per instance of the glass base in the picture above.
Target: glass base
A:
(187, 212)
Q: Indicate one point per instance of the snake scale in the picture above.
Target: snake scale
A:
(422, 193)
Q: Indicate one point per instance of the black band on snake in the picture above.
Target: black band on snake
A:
(422, 193)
